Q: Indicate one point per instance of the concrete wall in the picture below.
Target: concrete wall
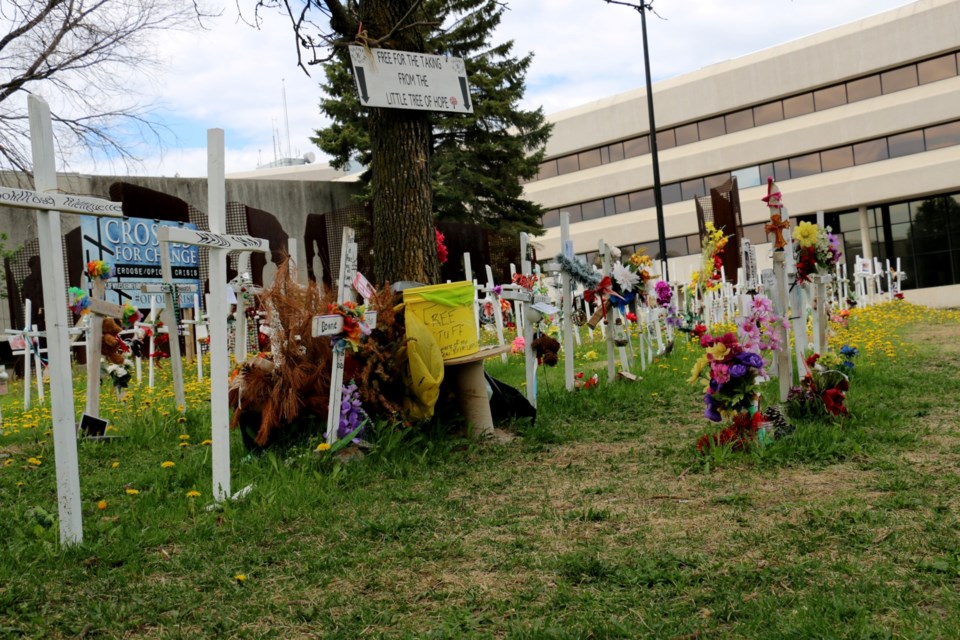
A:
(289, 201)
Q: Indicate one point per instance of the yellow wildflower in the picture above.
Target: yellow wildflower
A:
(323, 446)
(8, 462)
(115, 465)
(207, 443)
(132, 492)
(102, 505)
(193, 494)
(166, 464)
(184, 436)
(240, 577)
(184, 444)
(591, 355)
(34, 461)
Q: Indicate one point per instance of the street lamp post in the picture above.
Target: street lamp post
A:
(642, 8)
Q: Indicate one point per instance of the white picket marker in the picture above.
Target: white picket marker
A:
(348, 270)
(497, 311)
(567, 296)
(604, 250)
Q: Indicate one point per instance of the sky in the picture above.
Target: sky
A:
(234, 77)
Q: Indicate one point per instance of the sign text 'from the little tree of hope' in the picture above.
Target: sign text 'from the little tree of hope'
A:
(407, 80)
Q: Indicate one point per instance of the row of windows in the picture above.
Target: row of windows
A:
(923, 234)
(906, 77)
(894, 146)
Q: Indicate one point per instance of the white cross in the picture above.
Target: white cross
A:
(48, 205)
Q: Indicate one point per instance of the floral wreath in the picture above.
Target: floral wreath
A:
(354, 327)
(100, 269)
(579, 271)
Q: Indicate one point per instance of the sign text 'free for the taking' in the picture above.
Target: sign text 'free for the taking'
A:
(407, 80)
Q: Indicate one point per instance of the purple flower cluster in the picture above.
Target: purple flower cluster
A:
(664, 293)
(833, 243)
(352, 414)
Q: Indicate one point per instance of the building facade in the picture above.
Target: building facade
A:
(861, 122)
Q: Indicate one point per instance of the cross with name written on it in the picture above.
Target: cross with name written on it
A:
(410, 80)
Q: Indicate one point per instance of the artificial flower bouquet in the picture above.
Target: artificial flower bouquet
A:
(815, 250)
(710, 277)
(730, 374)
(822, 391)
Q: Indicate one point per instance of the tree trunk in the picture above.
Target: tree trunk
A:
(403, 228)
(403, 236)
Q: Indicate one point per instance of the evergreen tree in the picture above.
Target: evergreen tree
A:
(477, 161)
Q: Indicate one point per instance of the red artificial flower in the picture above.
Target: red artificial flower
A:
(812, 359)
(441, 247)
(631, 316)
(833, 401)
(699, 330)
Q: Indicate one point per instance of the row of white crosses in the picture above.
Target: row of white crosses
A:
(869, 277)
(49, 204)
(27, 344)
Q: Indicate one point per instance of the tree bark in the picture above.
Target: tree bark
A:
(403, 226)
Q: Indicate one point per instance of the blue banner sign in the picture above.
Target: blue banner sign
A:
(131, 246)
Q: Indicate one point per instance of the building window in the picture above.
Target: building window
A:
(677, 247)
(567, 164)
(715, 180)
(711, 128)
(798, 105)
(767, 113)
(636, 146)
(687, 134)
(589, 159)
(937, 69)
(690, 189)
(616, 152)
(622, 203)
(781, 170)
(898, 79)
(641, 200)
(747, 177)
(548, 169)
(671, 193)
(870, 151)
(905, 144)
(806, 165)
(944, 135)
(666, 139)
(836, 158)
(551, 218)
(863, 88)
(592, 210)
(830, 97)
(739, 120)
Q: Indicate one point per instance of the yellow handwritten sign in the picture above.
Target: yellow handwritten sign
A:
(446, 310)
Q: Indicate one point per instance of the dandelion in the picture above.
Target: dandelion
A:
(115, 465)
(132, 492)
(184, 436)
(240, 577)
(34, 461)
(591, 355)
(193, 494)
(102, 505)
(323, 446)
(184, 444)
(166, 464)
(8, 462)
(182, 420)
(207, 443)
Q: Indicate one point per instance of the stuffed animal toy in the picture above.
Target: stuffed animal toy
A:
(546, 349)
(112, 347)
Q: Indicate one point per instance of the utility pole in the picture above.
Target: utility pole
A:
(642, 7)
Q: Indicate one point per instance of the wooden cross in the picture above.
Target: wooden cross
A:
(30, 352)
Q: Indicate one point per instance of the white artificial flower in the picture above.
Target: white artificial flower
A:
(625, 278)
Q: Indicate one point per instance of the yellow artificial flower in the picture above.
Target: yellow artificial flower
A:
(806, 234)
(718, 351)
(323, 446)
(193, 494)
(166, 464)
(697, 368)
(132, 492)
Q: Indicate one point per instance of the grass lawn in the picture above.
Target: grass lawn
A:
(599, 521)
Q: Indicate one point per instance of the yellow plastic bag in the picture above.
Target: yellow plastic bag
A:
(425, 370)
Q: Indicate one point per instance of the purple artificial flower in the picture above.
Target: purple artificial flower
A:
(352, 414)
(749, 359)
(497, 289)
(664, 293)
(711, 412)
(737, 371)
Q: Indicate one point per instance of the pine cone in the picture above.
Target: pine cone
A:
(778, 421)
